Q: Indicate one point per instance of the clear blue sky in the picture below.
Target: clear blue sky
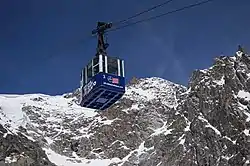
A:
(170, 47)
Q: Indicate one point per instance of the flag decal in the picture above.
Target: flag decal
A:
(115, 80)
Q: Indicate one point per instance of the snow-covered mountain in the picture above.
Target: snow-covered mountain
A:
(156, 123)
(72, 135)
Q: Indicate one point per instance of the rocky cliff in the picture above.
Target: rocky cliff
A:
(156, 123)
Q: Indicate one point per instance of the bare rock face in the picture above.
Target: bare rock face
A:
(17, 150)
(212, 121)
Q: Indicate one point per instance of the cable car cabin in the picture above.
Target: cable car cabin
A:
(102, 82)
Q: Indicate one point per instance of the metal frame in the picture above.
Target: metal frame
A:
(86, 75)
(123, 71)
(119, 69)
(106, 63)
(82, 78)
(100, 63)
(92, 66)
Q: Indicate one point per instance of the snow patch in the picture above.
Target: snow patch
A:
(159, 163)
(135, 107)
(153, 88)
(146, 94)
(11, 159)
(248, 115)
(233, 58)
(209, 125)
(11, 112)
(244, 108)
(204, 71)
(234, 142)
(227, 157)
(244, 94)
(60, 160)
(246, 131)
(164, 129)
(187, 128)
(106, 122)
(186, 92)
(49, 140)
(220, 82)
(239, 53)
(141, 149)
(182, 140)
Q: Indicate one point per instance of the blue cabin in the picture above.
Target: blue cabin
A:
(102, 82)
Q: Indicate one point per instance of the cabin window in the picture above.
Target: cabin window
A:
(89, 71)
(121, 68)
(83, 77)
(95, 65)
(103, 63)
(112, 66)
(105, 66)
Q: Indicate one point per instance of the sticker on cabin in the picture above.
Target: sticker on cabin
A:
(89, 87)
(113, 80)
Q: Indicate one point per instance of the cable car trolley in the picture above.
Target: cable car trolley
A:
(103, 79)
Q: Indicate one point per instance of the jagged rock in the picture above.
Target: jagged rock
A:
(134, 80)
(17, 150)
(155, 123)
(38, 99)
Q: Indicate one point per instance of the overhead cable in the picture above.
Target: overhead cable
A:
(145, 11)
(161, 15)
